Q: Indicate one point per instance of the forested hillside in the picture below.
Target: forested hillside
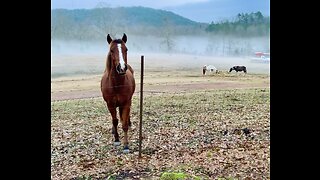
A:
(253, 24)
(82, 24)
(92, 24)
(152, 30)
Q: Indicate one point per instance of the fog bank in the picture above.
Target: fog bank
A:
(161, 53)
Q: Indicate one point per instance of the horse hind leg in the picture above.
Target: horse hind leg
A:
(125, 121)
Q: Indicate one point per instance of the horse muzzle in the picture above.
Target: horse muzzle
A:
(121, 71)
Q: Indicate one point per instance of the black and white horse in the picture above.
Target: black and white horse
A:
(209, 68)
(239, 68)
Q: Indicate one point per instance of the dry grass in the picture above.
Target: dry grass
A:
(192, 125)
(198, 133)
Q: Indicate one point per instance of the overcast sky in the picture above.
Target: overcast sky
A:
(196, 10)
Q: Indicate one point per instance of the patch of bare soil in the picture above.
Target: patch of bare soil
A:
(160, 88)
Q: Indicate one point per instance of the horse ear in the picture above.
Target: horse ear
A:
(124, 38)
(109, 39)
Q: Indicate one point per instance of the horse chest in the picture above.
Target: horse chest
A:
(116, 90)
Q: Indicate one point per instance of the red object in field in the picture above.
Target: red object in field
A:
(261, 54)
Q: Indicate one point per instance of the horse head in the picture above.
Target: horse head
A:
(118, 54)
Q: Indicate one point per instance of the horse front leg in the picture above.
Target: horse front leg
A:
(125, 121)
(115, 121)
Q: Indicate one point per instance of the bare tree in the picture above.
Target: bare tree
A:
(104, 22)
(167, 35)
(60, 27)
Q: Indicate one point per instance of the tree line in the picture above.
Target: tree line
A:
(245, 24)
(92, 24)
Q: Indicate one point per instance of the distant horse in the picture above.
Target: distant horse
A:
(209, 68)
(118, 86)
(239, 68)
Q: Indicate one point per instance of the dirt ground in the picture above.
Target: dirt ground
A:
(78, 88)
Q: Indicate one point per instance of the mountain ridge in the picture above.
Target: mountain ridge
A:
(92, 24)
(68, 24)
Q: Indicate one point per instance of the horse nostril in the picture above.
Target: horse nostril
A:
(121, 71)
(118, 68)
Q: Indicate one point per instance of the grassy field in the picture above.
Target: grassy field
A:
(194, 126)
(197, 133)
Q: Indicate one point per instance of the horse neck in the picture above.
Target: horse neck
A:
(108, 64)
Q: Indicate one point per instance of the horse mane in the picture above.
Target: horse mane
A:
(117, 41)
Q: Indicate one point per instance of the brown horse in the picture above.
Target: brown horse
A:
(118, 86)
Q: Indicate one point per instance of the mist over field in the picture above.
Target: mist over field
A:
(199, 45)
(188, 52)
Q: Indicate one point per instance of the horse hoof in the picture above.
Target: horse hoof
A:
(126, 151)
(116, 143)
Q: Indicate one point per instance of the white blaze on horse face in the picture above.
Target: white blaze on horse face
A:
(122, 64)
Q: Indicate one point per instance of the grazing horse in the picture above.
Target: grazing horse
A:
(209, 68)
(118, 86)
(239, 68)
